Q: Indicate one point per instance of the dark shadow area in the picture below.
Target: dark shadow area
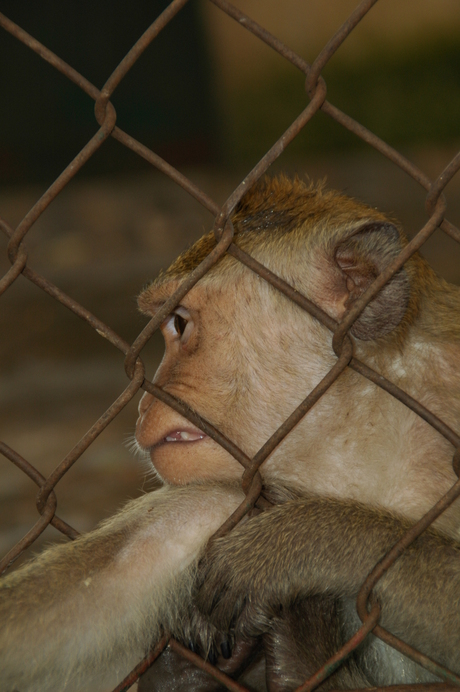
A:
(166, 101)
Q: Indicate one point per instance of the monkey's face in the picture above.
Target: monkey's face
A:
(244, 356)
(228, 355)
(195, 368)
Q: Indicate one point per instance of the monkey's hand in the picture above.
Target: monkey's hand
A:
(197, 632)
(264, 564)
(313, 545)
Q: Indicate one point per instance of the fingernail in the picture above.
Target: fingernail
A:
(226, 649)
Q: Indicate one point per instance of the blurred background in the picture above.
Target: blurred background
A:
(211, 99)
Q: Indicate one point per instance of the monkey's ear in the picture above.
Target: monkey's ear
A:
(360, 259)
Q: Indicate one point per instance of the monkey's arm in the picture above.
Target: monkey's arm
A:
(323, 546)
(94, 606)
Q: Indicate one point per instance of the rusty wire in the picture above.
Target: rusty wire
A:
(105, 114)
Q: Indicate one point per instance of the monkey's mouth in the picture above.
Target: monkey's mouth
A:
(182, 436)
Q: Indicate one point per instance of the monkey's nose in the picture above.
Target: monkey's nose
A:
(145, 402)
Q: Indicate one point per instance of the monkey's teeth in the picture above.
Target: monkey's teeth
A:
(183, 436)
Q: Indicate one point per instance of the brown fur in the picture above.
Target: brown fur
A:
(280, 213)
(313, 546)
(301, 639)
(277, 211)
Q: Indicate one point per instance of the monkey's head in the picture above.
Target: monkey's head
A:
(239, 352)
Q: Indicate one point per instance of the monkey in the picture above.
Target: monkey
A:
(343, 246)
(329, 248)
(244, 356)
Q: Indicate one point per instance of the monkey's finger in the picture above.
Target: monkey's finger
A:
(226, 649)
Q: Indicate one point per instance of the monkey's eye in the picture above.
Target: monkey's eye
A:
(178, 326)
(179, 323)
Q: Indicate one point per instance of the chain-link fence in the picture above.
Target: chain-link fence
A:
(17, 252)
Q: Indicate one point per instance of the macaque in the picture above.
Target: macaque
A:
(348, 480)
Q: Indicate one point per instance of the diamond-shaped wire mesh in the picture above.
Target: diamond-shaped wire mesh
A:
(22, 266)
